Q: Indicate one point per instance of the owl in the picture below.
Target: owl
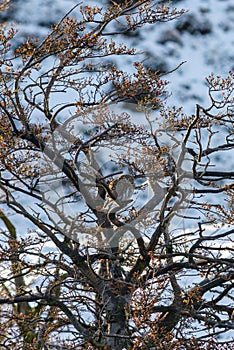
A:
(123, 189)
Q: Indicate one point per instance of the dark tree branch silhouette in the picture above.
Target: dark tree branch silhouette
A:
(130, 222)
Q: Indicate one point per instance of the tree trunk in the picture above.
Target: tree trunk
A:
(117, 337)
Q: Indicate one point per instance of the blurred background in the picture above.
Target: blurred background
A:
(203, 37)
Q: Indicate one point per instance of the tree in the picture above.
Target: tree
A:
(130, 224)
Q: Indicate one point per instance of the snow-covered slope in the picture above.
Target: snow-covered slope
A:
(203, 37)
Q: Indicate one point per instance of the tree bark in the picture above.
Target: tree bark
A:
(117, 336)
